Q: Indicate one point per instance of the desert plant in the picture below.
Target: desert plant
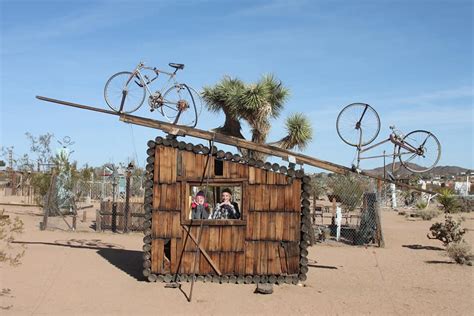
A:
(448, 232)
(348, 190)
(256, 104)
(448, 201)
(460, 252)
(426, 214)
(8, 229)
(40, 183)
(421, 204)
(318, 186)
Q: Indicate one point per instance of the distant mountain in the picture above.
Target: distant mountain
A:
(436, 171)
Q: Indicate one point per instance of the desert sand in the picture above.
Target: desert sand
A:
(89, 273)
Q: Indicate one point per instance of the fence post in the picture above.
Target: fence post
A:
(127, 201)
(378, 221)
(47, 203)
(114, 217)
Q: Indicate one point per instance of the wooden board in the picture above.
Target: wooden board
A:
(214, 238)
(250, 257)
(226, 238)
(273, 258)
(167, 166)
(297, 195)
(168, 197)
(157, 254)
(239, 263)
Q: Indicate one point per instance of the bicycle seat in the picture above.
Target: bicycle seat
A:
(177, 66)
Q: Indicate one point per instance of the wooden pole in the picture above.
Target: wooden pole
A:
(178, 130)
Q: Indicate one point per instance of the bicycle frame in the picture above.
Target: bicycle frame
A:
(393, 138)
(137, 73)
(171, 77)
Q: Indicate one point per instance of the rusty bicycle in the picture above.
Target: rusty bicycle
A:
(358, 125)
(125, 92)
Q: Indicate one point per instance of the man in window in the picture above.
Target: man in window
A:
(226, 209)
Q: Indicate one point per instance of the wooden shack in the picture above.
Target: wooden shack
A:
(267, 244)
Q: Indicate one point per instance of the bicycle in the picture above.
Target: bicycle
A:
(125, 93)
(358, 124)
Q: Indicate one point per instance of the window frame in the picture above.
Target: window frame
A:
(186, 209)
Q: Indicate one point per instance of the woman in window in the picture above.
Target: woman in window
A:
(199, 208)
(226, 209)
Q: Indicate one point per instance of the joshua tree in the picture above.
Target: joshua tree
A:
(257, 104)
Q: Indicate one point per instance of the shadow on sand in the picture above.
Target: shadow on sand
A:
(319, 266)
(129, 261)
(420, 247)
(439, 262)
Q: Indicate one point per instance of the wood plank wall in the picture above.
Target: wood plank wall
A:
(266, 243)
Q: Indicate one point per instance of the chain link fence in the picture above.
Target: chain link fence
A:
(347, 209)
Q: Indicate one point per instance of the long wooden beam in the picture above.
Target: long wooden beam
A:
(229, 140)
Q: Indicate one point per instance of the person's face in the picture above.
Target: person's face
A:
(225, 197)
(200, 199)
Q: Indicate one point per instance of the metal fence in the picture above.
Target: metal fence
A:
(347, 209)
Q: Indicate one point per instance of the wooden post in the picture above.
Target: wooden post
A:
(98, 221)
(46, 208)
(74, 219)
(379, 234)
(114, 217)
(127, 201)
(84, 216)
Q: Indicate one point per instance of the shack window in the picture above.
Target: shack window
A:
(214, 201)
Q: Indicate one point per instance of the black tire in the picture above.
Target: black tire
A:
(113, 92)
(348, 128)
(176, 96)
(429, 151)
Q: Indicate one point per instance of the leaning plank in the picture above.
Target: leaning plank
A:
(203, 251)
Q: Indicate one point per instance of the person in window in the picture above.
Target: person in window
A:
(200, 208)
(226, 209)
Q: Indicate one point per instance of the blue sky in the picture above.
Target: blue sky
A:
(412, 60)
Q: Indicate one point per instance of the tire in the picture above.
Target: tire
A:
(349, 132)
(430, 151)
(113, 92)
(173, 97)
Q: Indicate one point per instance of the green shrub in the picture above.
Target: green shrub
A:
(40, 182)
(348, 190)
(449, 201)
(460, 252)
(421, 204)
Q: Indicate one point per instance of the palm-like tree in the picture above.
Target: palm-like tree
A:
(257, 104)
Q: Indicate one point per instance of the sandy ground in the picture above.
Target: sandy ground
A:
(88, 273)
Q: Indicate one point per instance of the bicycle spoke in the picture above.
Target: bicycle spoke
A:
(358, 124)
(425, 150)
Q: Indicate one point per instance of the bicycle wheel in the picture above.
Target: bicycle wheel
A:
(179, 106)
(114, 92)
(358, 124)
(424, 154)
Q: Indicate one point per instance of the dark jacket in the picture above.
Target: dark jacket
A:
(224, 211)
(200, 211)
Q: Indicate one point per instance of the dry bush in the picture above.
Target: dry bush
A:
(448, 232)
(8, 229)
(460, 252)
(427, 214)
